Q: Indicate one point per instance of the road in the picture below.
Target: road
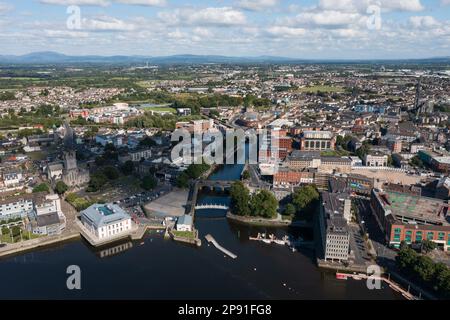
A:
(365, 216)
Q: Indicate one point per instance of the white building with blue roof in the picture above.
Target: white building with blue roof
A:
(106, 220)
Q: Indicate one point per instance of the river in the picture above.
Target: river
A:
(155, 268)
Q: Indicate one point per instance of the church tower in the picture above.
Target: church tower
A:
(70, 160)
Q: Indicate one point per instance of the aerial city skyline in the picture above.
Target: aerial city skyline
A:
(225, 155)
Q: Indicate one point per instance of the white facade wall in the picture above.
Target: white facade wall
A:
(113, 229)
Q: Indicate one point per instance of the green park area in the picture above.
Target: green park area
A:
(321, 88)
(16, 234)
(184, 234)
(335, 153)
(159, 109)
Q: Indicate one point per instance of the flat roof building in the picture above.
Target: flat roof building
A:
(333, 225)
(106, 220)
(411, 218)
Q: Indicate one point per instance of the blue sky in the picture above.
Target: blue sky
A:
(349, 29)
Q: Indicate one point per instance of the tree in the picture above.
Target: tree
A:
(240, 199)
(111, 172)
(246, 175)
(147, 142)
(424, 267)
(61, 187)
(98, 180)
(15, 231)
(194, 171)
(416, 162)
(183, 181)
(127, 168)
(43, 187)
(264, 204)
(71, 197)
(363, 150)
(5, 230)
(305, 196)
(406, 258)
(149, 182)
(428, 245)
(289, 210)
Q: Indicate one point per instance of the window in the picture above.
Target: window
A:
(419, 236)
(397, 233)
(408, 236)
(430, 235)
(441, 236)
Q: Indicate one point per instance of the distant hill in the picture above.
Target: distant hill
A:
(49, 57)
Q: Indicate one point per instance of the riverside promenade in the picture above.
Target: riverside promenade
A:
(70, 232)
(14, 248)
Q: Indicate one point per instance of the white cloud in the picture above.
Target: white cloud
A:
(105, 23)
(5, 7)
(445, 2)
(102, 3)
(362, 5)
(256, 5)
(65, 34)
(283, 31)
(225, 16)
(423, 22)
(156, 3)
(326, 18)
(202, 32)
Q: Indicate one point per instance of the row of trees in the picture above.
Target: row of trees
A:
(79, 203)
(100, 178)
(194, 171)
(261, 204)
(435, 276)
(304, 202)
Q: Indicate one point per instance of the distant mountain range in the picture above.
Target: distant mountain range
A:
(58, 58)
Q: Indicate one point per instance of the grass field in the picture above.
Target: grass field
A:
(321, 88)
(184, 234)
(335, 153)
(160, 109)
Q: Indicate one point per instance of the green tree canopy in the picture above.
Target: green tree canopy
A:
(111, 172)
(43, 187)
(264, 204)
(240, 199)
(98, 180)
(183, 181)
(61, 187)
(290, 210)
(149, 182)
(304, 196)
(127, 168)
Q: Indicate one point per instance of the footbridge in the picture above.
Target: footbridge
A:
(211, 206)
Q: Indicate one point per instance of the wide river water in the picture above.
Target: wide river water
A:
(155, 268)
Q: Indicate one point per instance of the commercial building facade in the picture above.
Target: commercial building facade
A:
(317, 141)
(106, 220)
(334, 208)
(411, 218)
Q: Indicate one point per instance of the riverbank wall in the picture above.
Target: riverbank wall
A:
(21, 247)
(258, 221)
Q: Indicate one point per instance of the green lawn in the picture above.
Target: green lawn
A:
(184, 234)
(161, 109)
(6, 238)
(335, 153)
(321, 88)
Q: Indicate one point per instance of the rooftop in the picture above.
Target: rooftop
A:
(104, 214)
(417, 208)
